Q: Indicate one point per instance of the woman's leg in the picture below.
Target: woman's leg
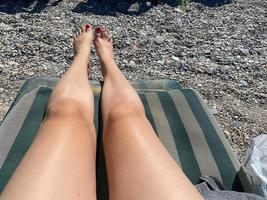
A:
(138, 165)
(60, 164)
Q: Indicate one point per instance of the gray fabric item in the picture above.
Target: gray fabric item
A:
(256, 157)
(210, 190)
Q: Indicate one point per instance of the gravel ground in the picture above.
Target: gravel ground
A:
(221, 51)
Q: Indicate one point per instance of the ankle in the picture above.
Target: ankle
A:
(108, 61)
(82, 57)
(110, 69)
(83, 52)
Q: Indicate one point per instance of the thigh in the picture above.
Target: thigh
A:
(60, 164)
(138, 165)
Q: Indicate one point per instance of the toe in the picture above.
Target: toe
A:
(103, 32)
(106, 34)
(109, 38)
(83, 29)
(97, 36)
(98, 30)
(87, 27)
(97, 33)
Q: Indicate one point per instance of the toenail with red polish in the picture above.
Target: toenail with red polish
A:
(98, 29)
(88, 26)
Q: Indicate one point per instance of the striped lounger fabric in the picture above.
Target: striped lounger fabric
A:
(179, 116)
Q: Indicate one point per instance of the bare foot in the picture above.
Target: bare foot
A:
(83, 39)
(104, 47)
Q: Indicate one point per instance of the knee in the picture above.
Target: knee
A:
(64, 108)
(126, 106)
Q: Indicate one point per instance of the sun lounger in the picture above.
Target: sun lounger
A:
(179, 116)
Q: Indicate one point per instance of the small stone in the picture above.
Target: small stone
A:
(227, 133)
(174, 65)
(243, 83)
(199, 85)
(225, 77)
(30, 73)
(12, 63)
(1, 68)
(134, 7)
(178, 10)
(161, 62)
(214, 111)
(148, 4)
(243, 52)
(148, 28)
(184, 66)
(142, 33)
(175, 58)
(227, 67)
(132, 63)
(5, 27)
(159, 39)
(14, 72)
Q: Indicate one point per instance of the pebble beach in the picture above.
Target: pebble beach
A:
(219, 50)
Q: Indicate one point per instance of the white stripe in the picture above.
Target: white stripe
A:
(225, 143)
(162, 125)
(200, 146)
(13, 122)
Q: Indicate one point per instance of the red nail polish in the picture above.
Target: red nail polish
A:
(98, 29)
(88, 26)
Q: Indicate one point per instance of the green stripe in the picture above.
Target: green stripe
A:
(142, 84)
(186, 154)
(172, 85)
(101, 173)
(25, 135)
(148, 111)
(96, 111)
(218, 151)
